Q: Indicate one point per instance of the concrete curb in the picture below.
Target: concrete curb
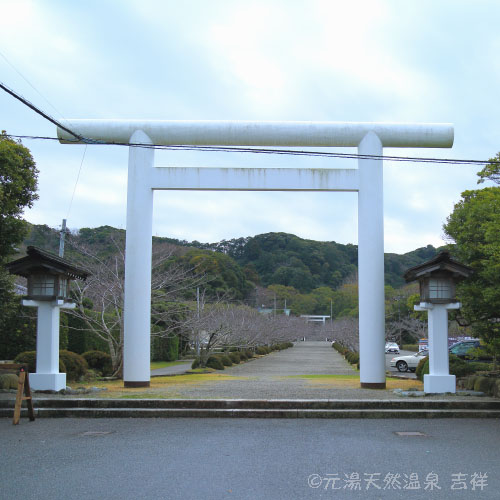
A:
(241, 408)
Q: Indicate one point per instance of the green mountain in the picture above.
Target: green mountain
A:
(265, 259)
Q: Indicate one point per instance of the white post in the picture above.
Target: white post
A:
(47, 376)
(138, 250)
(371, 264)
(439, 379)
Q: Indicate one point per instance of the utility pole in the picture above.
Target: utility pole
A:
(61, 238)
(198, 316)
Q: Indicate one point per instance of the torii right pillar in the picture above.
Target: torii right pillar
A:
(371, 263)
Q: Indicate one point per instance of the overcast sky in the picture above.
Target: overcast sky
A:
(394, 61)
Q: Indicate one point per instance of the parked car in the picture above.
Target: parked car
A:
(410, 362)
(463, 348)
(391, 347)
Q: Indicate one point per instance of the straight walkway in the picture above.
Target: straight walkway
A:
(293, 373)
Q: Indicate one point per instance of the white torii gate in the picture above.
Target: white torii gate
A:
(367, 180)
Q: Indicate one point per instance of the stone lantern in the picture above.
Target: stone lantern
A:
(49, 277)
(437, 279)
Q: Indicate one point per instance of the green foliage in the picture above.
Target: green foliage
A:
(214, 362)
(18, 183)
(261, 350)
(235, 357)
(8, 381)
(98, 360)
(226, 360)
(491, 171)
(76, 366)
(474, 225)
(249, 354)
(29, 358)
(225, 276)
(196, 363)
(458, 367)
(17, 325)
(80, 338)
(483, 384)
(165, 348)
(410, 347)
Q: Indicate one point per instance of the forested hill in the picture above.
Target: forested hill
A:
(286, 259)
(265, 259)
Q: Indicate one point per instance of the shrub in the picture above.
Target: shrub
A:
(215, 362)
(352, 357)
(480, 367)
(249, 354)
(98, 360)
(76, 366)
(29, 358)
(261, 350)
(422, 368)
(243, 356)
(484, 384)
(8, 381)
(458, 367)
(235, 357)
(410, 347)
(233, 349)
(226, 360)
(196, 363)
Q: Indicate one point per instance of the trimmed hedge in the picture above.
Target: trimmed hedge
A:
(352, 357)
(458, 367)
(29, 357)
(8, 381)
(226, 360)
(76, 366)
(98, 360)
(410, 347)
(235, 357)
(215, 362)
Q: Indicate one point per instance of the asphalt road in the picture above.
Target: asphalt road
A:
(248, 459)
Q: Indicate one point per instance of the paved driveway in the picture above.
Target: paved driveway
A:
(248, 459)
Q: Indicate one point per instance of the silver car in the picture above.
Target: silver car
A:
(410, 362)
(391, 347)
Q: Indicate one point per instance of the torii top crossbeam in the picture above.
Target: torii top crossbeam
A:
(272, 133)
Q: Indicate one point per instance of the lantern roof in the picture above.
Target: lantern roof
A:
(41, 261)
(442, 262)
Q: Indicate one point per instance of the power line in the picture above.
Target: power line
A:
(31, 85)
(40, 112)
(228, 149)
(76, 183)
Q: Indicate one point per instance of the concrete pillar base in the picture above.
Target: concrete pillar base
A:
(438, 384)
(373, 385)
(47, 381)
(128, 383)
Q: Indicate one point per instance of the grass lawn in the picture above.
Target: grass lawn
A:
(163, 364)
(352, 381)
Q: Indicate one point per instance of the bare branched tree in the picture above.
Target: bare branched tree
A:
(105, 290)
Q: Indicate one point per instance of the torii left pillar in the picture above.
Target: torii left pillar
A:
(138, 253)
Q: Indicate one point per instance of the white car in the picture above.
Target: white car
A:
(405, 363)
(391, 347)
